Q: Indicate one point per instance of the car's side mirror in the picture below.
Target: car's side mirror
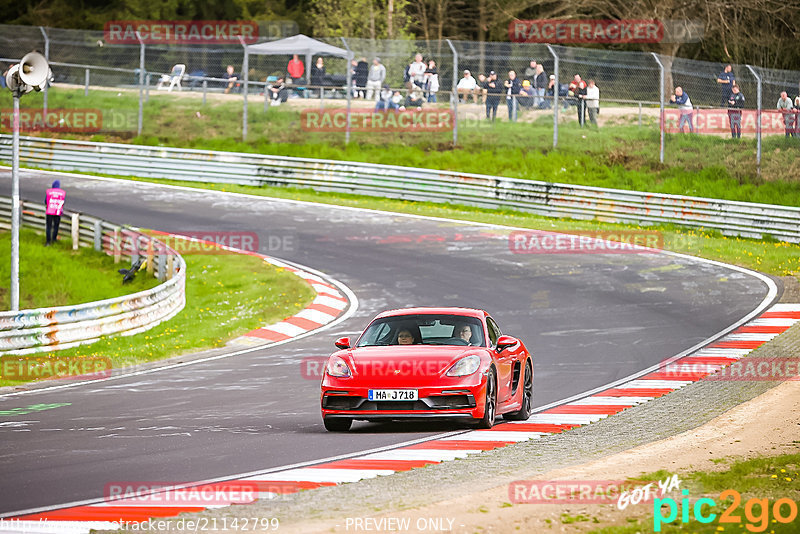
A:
(504, 342)
(342, 343)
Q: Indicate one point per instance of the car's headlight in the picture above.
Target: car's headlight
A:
(338, 367)
(465, 366)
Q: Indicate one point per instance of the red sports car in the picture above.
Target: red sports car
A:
(450, 363)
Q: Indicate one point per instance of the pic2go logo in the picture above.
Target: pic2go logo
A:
(756, 511)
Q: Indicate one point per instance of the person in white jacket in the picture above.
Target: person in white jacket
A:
(468, 86)
(592, 98)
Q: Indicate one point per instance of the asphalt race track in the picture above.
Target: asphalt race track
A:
(589, 318)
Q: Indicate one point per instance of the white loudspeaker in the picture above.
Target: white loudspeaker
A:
(13, 81)
(34, 70)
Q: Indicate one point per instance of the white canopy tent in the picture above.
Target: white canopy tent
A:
(300, 44)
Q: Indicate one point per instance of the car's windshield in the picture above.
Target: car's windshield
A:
(423, 329)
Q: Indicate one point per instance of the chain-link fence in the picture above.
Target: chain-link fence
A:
(630, 90)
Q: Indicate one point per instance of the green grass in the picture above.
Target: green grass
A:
(226, 296)
(768, 256)
(620, 155)
(770, 478)
(58, 276)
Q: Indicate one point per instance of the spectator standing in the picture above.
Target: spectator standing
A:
(735, 105)
(577, 89)
(539, 86)
(360, 76)
(295, 68)
(684, 103)
(512, 87)
(493, 91)
(416, 72)
(592, 98)
(375, 78)
(318, 74)
(530, 70)
(54, 208)
(726, 81)
(231, 76)
(786, 107)
(468, 86)
(431, 80)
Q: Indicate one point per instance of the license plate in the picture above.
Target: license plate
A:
(393, 394)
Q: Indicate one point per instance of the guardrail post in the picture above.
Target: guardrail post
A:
(150, 266)
(170, 266)
(454, 98)
(555, 96)
(117, 246)
(162, 267)
(661, 98)
(86, 83)
(76, 230)
(98, 235)
(758, 120)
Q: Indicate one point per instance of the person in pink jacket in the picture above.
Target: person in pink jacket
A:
(54, 207)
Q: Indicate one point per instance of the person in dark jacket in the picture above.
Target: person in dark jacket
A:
(512, 87)
(493, 91)
(735, 105)
(54, 208)
(318, 73)
(360, 77)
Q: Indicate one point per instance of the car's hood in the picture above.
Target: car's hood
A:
(412, 361)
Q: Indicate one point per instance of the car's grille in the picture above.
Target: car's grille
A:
(340, 402)
(438, 402)
(451, 401)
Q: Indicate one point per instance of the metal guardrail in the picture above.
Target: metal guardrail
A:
(48, 329)
(541, 198)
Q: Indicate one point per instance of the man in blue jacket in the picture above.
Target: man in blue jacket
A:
(685, 105)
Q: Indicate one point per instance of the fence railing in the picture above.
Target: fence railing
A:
(56, 328)
(542, 198)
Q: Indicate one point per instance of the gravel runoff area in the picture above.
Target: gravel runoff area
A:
(438, 489)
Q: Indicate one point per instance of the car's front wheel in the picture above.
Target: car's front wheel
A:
(337, 424)
(527, 397)
(490, 409)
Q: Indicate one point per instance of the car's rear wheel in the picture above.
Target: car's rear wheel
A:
(336, 424)
(490, 409)
(527, 397)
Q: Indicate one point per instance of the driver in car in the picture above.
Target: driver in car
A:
(464, 332)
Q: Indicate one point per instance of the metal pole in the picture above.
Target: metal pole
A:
(349, 90)
(661, 98)
(758, 120)
(15, 207)
(147, 83)
(205, 89)
(640, 114)
(246, 73)
(86, 84)
(47, 57)
(455, 92)
(141, 83)
(555, 96)
(266, 100)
